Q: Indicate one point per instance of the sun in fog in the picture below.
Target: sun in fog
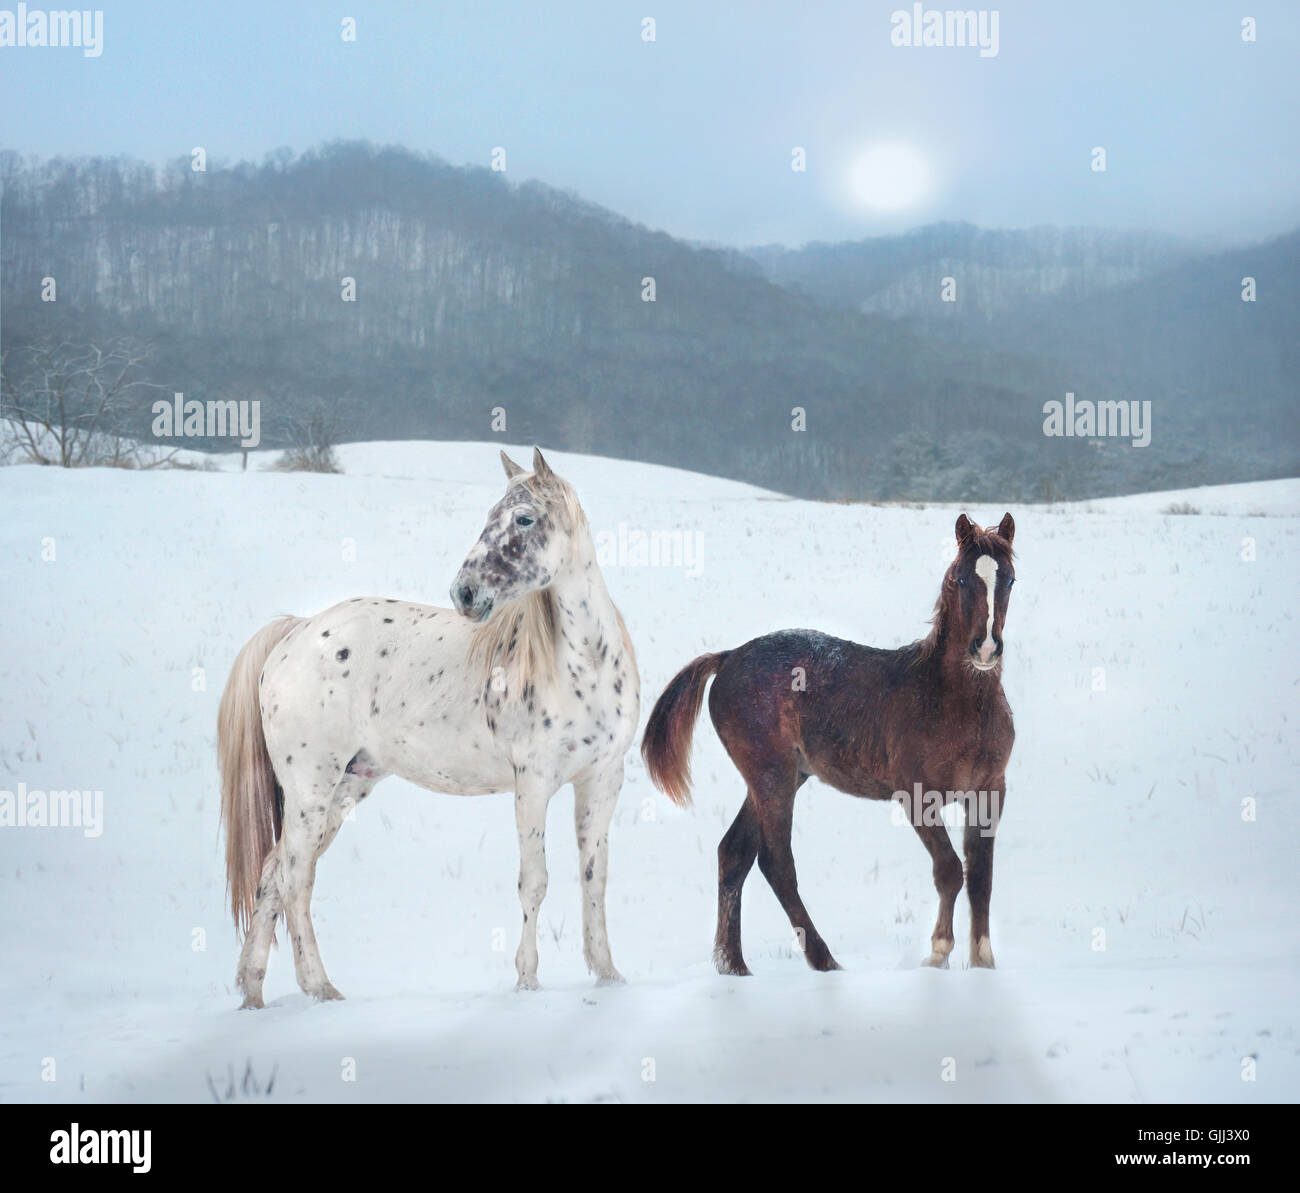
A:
(889, 177)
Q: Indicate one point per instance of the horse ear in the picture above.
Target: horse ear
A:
(512, 469)
(1007, 528)
(541, 469)
(964, 528)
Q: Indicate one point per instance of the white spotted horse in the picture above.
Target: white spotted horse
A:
(528, 684)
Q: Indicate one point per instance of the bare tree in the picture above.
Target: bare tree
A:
(314, 428)
(72, 404)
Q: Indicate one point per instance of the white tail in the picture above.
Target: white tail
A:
(249, 809)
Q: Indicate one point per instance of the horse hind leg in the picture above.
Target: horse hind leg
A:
(774, 802)
(736, 853)
(257, 943)
(313, 814)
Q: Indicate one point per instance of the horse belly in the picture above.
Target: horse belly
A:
(852, 779)
(433, 729)
(451, 768)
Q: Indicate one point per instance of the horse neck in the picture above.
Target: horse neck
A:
(949, 654)
(584, 608)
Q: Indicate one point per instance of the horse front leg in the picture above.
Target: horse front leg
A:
(946, 868)
(595, 796)
(977, 843)
(530, 821)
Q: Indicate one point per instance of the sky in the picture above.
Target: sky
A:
(695, 132)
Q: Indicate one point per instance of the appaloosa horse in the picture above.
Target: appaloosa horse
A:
(926, 724)
(532, 683)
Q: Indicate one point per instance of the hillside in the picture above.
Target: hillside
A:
(999, 270)
(1143, 941)
(1116, 314)
(473, 295)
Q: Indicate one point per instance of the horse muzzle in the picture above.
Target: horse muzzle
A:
(471, 601)
(983, 659)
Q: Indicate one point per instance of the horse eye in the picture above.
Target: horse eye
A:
(523, 520)
(1012, 582)
(962, 581)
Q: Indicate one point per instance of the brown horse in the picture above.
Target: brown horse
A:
(927, 724)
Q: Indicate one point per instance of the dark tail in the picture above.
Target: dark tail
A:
(666, 746)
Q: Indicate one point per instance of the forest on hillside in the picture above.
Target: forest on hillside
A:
(479, 307)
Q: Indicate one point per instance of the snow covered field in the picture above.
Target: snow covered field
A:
(1145, 928)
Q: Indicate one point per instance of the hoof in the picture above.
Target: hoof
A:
(326, 993)
(252, 1002)
(936, 961)
(731, 968)
(820, 959)
(981, 954)
(528, 982)
(613, 978)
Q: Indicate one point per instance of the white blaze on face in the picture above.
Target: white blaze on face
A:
(986, 568)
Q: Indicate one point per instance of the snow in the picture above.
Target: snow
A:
(1124, 814)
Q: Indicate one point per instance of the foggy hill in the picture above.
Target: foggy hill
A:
(1117, 313)
(474, 294)
(997, 270)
